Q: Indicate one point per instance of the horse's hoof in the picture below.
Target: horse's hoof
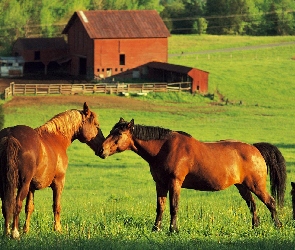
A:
(173, 230)
(156, 229)
(279, 224)
(15, 234)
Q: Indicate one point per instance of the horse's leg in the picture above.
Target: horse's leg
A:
(7, 217)
(269, 201)
(29, 210)
(21, 195)
(161, 201)
(247, 196)
(174, 194)
(57, 187)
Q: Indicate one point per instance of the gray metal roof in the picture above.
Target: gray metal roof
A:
(121, 24)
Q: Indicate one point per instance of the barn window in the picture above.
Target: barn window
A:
(122, 59)
(37, 55)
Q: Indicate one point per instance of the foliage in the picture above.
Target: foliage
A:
(47, 18)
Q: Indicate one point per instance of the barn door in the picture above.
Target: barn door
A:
(82, 66)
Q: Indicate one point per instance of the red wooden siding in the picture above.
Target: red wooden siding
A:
(136, 52)
(97, 39)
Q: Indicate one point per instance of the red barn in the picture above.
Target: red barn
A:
(108, 42)
(166, 72)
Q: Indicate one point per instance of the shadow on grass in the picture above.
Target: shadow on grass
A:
(143, 242)
(285, 146)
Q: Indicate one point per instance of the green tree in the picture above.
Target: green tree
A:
(271, 24)
(181, 16)
(227, 17)
(277, 17)
(13, 23)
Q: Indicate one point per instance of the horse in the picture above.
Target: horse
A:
(177, 160)
(96, 143)
(33, 159)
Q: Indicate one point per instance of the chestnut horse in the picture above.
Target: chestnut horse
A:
(33, 159)
(177, 161)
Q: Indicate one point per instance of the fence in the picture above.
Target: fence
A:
(71, 89)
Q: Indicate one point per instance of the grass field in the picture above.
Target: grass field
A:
(110, 204)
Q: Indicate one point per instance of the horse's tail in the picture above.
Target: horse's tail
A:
(276, 165)
(9, 148)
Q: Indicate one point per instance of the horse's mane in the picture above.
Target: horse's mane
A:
(66, 123)
(184, 133)
(147, 133)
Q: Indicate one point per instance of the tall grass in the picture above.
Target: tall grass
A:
(110, 204)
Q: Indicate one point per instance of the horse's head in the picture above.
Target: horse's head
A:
(96, 143)
(119, 139)
(89, 127)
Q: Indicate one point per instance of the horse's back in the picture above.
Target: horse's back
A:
(27, 138)
(215, 166)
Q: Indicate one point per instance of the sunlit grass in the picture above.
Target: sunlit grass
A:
(111, 203)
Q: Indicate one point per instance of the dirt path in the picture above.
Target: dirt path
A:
(97, 101)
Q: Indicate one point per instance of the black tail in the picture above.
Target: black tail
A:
(276, 164)
(9, 148)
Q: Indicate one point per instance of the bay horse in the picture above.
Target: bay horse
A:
(33, 159)
(177, 160)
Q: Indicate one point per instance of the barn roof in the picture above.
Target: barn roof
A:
(40, 43)
(171, 67)
(120, 24)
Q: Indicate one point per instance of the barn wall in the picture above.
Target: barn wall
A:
(46, 55)
(200, 80)
(136, 52)
(80, 46)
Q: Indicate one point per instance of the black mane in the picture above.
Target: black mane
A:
(147, 133)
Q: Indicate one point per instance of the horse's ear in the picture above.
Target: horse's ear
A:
(293, 184)
(121, 119)
(131, 124)
(85, 109)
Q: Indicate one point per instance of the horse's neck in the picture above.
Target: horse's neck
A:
(56, 136)
(96, 143)
(147, 149)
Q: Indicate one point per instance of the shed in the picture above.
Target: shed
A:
(166, 72)
(11, 66)
(40, 52)
(104, 43)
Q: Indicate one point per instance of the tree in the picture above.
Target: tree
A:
(271, 24)
(12, 23)
(226, 17)
(181, 16)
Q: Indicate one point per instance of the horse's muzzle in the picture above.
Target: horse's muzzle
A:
(101, 154)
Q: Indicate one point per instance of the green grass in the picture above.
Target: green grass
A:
(110, 204)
